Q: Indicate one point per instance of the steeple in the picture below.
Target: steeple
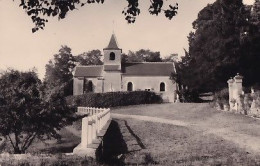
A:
(113, 43)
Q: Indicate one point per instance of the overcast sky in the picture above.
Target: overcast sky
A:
(89, 28)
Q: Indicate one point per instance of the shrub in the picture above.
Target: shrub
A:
(187, 95)
(113, 99)
(221, 98)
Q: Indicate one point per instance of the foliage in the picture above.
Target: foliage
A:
(47, 160)
(171, 58)
(221, 97)
(26, 112)
(113, 99)
(142, 55)
(225, 42)
(59, 71)
(89, 58)
(39, 10)
(188, 96)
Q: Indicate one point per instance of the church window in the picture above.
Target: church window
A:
(130, 86)
(162, 86)
(88, 86)
(112, 56)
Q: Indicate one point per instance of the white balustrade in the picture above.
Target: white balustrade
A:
(93, 123)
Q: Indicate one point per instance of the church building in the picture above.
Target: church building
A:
(114, 75)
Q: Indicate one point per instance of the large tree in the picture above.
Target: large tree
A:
(59, 71)
(216, 46)
(26, 112)
(39, 10)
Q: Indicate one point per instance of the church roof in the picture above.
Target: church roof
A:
(148, 69)
(129, 69)
(112, 43)
(88, 71)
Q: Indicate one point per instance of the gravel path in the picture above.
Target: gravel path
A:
(249, 142)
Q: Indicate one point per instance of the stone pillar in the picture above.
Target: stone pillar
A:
(230, 90)
(237, 86)
(89, 130)
(84, 132)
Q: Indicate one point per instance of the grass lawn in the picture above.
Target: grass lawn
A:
(166, 144)
(211, 137)
(197, 114)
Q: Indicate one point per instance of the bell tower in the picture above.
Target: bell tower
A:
(112, 55)
(112, 66)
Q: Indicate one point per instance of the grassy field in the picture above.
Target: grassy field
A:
(208, 138)
(197, 114)
(196, 144)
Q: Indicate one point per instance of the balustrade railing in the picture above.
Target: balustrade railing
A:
(92, 124)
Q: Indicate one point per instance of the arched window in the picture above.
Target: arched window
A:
(90, 86)
(130, 86)
(112, 56)
(162, 86)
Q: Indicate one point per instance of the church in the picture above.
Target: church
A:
(114, 75)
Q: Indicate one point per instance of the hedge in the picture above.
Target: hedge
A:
(113, 99)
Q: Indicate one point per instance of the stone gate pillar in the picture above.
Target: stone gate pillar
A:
(230, 89)
(238, 86)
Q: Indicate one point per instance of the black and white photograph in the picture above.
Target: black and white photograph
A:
(129, 82)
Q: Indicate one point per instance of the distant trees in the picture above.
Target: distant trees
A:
(146, 55)
(27, 112)
(225, 42)
(92, 57)
(39, 10)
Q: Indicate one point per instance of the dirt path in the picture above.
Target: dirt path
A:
(249, 142)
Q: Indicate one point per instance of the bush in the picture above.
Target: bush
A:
(113, 99)
(221, 97)
(188, 96)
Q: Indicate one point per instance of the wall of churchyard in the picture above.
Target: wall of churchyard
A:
(239, 102)
(151, 83)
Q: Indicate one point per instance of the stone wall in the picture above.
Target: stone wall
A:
(239, 102)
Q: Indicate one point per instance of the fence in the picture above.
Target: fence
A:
(92, 126)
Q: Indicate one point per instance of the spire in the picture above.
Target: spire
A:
(112, 44)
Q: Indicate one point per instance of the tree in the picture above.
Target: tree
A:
(39, 10)
(171, 58)
(215, 48)
(89, 58)
(249, 67)
(142, 56)
(59, 71)
(26, 113)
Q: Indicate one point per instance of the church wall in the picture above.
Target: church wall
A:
(97, 84)
(152, 83)
(112, 81)
(78, 85)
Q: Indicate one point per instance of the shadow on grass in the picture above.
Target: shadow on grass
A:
(140, 143)
(113, 147)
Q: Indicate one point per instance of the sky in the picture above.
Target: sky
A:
(90, 27)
